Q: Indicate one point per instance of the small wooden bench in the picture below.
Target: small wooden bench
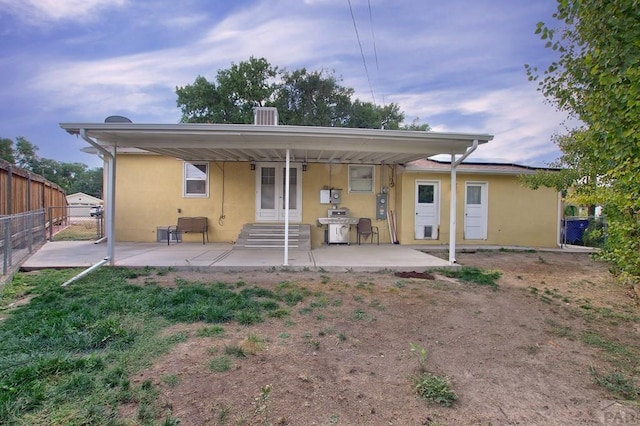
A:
(186, 225)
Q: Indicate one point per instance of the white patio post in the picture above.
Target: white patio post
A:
(111, 209)
(452, 212)
(286, 210)
(453, 208)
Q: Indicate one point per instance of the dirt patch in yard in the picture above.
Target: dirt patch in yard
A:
(342, 356)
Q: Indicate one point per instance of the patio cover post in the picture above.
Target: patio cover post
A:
(110, 158)
(286, 209)
(452, 213)
(454, 202)
(111, 210)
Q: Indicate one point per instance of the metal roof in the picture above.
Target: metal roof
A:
(428, 165)
(241, 142)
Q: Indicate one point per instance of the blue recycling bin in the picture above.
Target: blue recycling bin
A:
(574, 230)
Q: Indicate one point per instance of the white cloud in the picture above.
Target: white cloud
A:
(36, 12)
(455, 76)
(517, 116)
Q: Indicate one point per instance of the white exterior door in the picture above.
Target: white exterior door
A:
(270, 192)
(427, 218)
(475, 211)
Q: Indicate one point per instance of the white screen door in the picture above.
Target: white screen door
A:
(427, 216)
(270, 192)
(475, 211)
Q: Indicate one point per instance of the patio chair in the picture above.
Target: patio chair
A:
(366, 230)
(188, 224)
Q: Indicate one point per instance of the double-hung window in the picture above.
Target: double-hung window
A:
(361, 178)
(196, 180)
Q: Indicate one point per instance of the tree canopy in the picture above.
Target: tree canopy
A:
(596, 79)
(72, 177)
(303, 98)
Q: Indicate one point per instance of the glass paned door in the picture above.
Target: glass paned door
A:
(270, 192)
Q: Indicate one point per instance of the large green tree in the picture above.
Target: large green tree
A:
(312, 99)
(303, 98)
(596, 79)
(26, 154)
(72, 177)
(238, 90)
(6, 150)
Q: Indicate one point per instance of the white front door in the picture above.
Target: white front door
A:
(475, 211)
(270, 192)
(427, 210)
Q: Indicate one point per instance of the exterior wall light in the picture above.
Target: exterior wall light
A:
(253, 165)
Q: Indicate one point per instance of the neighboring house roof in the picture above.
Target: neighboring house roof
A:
(82, 198)
(427, 165)
(248, 142)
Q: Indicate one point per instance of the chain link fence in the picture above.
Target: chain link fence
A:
(76, 223)
(20, 235)
(588, 231)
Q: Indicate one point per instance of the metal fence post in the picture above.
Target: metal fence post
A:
(5, 252)
(7, 239)
(30, 232)
(50, 223)
(44, 224)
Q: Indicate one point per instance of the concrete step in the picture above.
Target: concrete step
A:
(271, 235)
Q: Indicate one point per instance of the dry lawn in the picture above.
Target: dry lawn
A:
(520, 355)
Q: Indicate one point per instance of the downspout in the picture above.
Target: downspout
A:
(110, 160)
(286, 209)
(453, 207)
(104, 234)
(86, 272)
(559, 221)
(110, 193)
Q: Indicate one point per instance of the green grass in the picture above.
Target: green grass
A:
(473, 275)
(220, 364)
(613, 348)
(78, 232)
(69, 352)
(617, 383)
(560, 330)
(213, 331)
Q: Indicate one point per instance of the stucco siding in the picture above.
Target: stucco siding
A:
(326, 176)
(149, 192)
(516, 215)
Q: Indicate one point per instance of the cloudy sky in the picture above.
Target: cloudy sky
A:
(457, 65)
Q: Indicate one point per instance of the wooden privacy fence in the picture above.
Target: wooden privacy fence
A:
(22, 191)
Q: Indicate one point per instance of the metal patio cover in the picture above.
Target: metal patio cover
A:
(239, 142)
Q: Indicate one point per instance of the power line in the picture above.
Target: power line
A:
(364, 62)
(373, 36)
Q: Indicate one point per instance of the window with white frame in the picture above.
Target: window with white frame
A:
(360, 178)
(196, 179)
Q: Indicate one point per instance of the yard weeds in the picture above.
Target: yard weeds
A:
(473, 275)
(429, 386)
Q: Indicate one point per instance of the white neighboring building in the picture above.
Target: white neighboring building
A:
(79, 204)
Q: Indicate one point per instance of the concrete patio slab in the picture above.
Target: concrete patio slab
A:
(219, 256)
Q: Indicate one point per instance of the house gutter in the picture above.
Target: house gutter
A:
(453, 207)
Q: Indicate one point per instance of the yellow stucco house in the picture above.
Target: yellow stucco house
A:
(236, 176)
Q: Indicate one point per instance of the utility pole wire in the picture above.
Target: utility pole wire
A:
(364, 62)
(375, 49)
(373, 36)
